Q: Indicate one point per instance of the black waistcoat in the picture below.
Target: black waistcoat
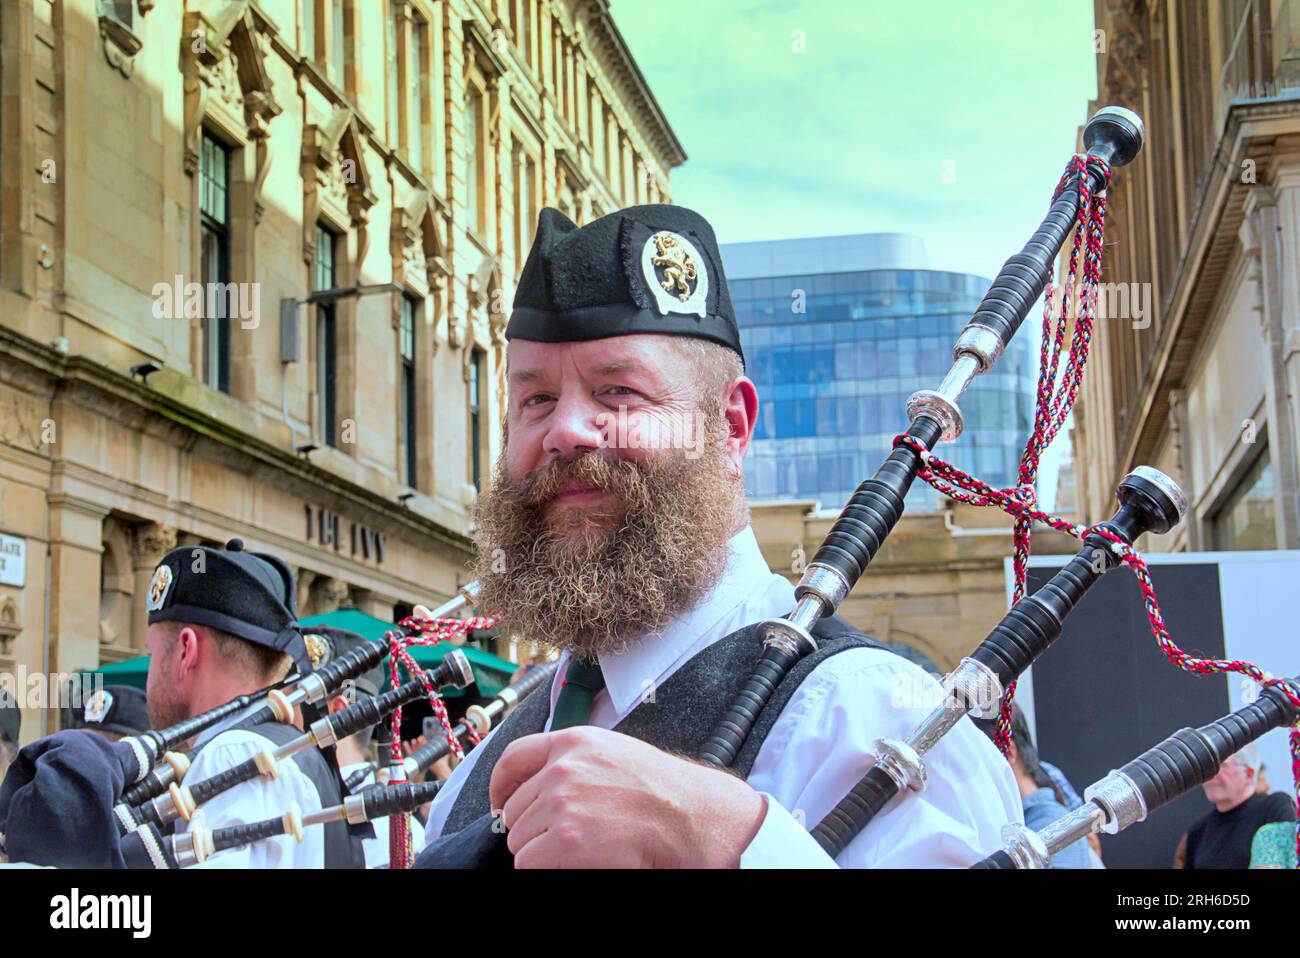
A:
(682, 713)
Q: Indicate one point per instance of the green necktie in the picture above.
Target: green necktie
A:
(582, 681)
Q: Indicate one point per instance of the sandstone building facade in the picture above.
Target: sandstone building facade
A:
(176, 181)
(1205, 226)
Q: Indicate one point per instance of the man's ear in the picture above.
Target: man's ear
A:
(187, 650)
(740, 407)
(1013, 754)
(336, 703)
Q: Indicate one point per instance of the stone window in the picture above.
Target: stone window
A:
(474, 186)
(324, 37)
(476, 384)
(214, 215)
(525, 184)
(409, 419)
(326, 338)
(1247, 518)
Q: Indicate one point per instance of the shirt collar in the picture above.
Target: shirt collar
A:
(630, 674)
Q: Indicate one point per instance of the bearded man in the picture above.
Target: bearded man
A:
(616, 531)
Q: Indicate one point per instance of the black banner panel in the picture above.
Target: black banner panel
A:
(1105, 692)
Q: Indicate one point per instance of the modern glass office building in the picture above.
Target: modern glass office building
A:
(837, 332)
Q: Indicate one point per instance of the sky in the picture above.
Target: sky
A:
(948, 119)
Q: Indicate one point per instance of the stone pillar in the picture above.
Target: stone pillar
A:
(149, 543)
(76, 542)
(1259, 234)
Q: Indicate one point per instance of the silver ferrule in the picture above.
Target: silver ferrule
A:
(1119, 797)
(409, 767)
(164, 808)
(975, 686)
(901, 763)
(936, 725)
(788, 635)
(468, 596)
(354, 809)
(164, 775)
(310, 689)
(806, 613)
(980, 344)
(1025, 847)
(1165, 484)
(506, 699)
(1068, 829)
(944, 411)
(823, 582)
(183, 849)
(322, 733)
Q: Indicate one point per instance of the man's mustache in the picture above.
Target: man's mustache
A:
(591, 470)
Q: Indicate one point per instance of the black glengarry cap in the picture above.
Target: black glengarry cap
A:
(645, 269)
(247, 594)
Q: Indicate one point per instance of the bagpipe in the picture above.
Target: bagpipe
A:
(133, 790)
(182, 800)
(1129, 794)
(378, 801)
(383, 799)
(472, 729)
(984, 683)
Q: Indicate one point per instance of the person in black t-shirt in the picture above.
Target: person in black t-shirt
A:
(1222, 838)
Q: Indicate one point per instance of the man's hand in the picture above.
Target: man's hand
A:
(587, 797)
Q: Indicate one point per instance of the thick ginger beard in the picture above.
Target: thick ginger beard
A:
(594, 580)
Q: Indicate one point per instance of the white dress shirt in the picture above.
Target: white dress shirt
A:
(821, 744)
(254, 801)
(376, 849)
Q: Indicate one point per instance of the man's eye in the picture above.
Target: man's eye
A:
(537, 400)
(620, 391)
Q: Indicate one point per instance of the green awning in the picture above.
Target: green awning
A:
(491, 673)
(133, 672)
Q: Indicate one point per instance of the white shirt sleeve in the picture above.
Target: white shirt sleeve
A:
(822, 745)
(256, 801)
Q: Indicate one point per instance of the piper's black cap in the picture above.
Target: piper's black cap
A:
(645, 269)
(247, 594)
(114, 708)
(325, 644)
(11, 717)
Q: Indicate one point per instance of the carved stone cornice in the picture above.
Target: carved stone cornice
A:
(119, 39)
(334, 175)
(226, 81)
(149, 543)
(417, 244)
(1126, 52)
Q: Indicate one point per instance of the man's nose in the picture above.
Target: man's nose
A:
(577, 427)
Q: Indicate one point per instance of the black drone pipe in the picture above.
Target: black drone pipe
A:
(198, 844)
(1149, 502)
(1128, 795)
